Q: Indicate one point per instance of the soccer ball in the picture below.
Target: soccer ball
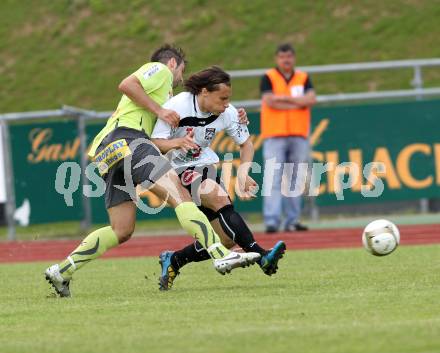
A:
(381, 237)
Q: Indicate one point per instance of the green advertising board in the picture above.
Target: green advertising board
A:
(402, 136)
(37, 151)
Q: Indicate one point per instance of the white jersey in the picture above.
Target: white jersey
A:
(205, 127)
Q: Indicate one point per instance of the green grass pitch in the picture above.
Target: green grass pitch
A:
(320, 301)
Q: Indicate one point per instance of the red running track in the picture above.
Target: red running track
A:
(28, 251)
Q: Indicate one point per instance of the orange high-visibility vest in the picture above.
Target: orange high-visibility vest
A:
(292, 122)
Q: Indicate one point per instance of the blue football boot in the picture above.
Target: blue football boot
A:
(168, 274)
(269, 261)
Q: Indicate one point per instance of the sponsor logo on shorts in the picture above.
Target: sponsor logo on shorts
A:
(188, 176)
(111, 154)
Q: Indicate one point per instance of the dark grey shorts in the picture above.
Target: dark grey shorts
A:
(129, 159)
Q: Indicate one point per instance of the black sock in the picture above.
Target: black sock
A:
(191, 253)
(236, 228)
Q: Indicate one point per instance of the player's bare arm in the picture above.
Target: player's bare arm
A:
(185, 143)
(246, 184)
(132, 88)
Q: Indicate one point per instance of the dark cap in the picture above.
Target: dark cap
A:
(284, 48)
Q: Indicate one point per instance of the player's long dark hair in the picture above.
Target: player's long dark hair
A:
(209, 78)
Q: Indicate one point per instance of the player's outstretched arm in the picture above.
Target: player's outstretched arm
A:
(246, 185)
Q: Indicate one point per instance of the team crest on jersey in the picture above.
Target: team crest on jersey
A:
(209, 133)
(188, 176)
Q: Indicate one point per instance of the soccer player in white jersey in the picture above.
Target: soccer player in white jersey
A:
(204, 111)
(126, 158)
